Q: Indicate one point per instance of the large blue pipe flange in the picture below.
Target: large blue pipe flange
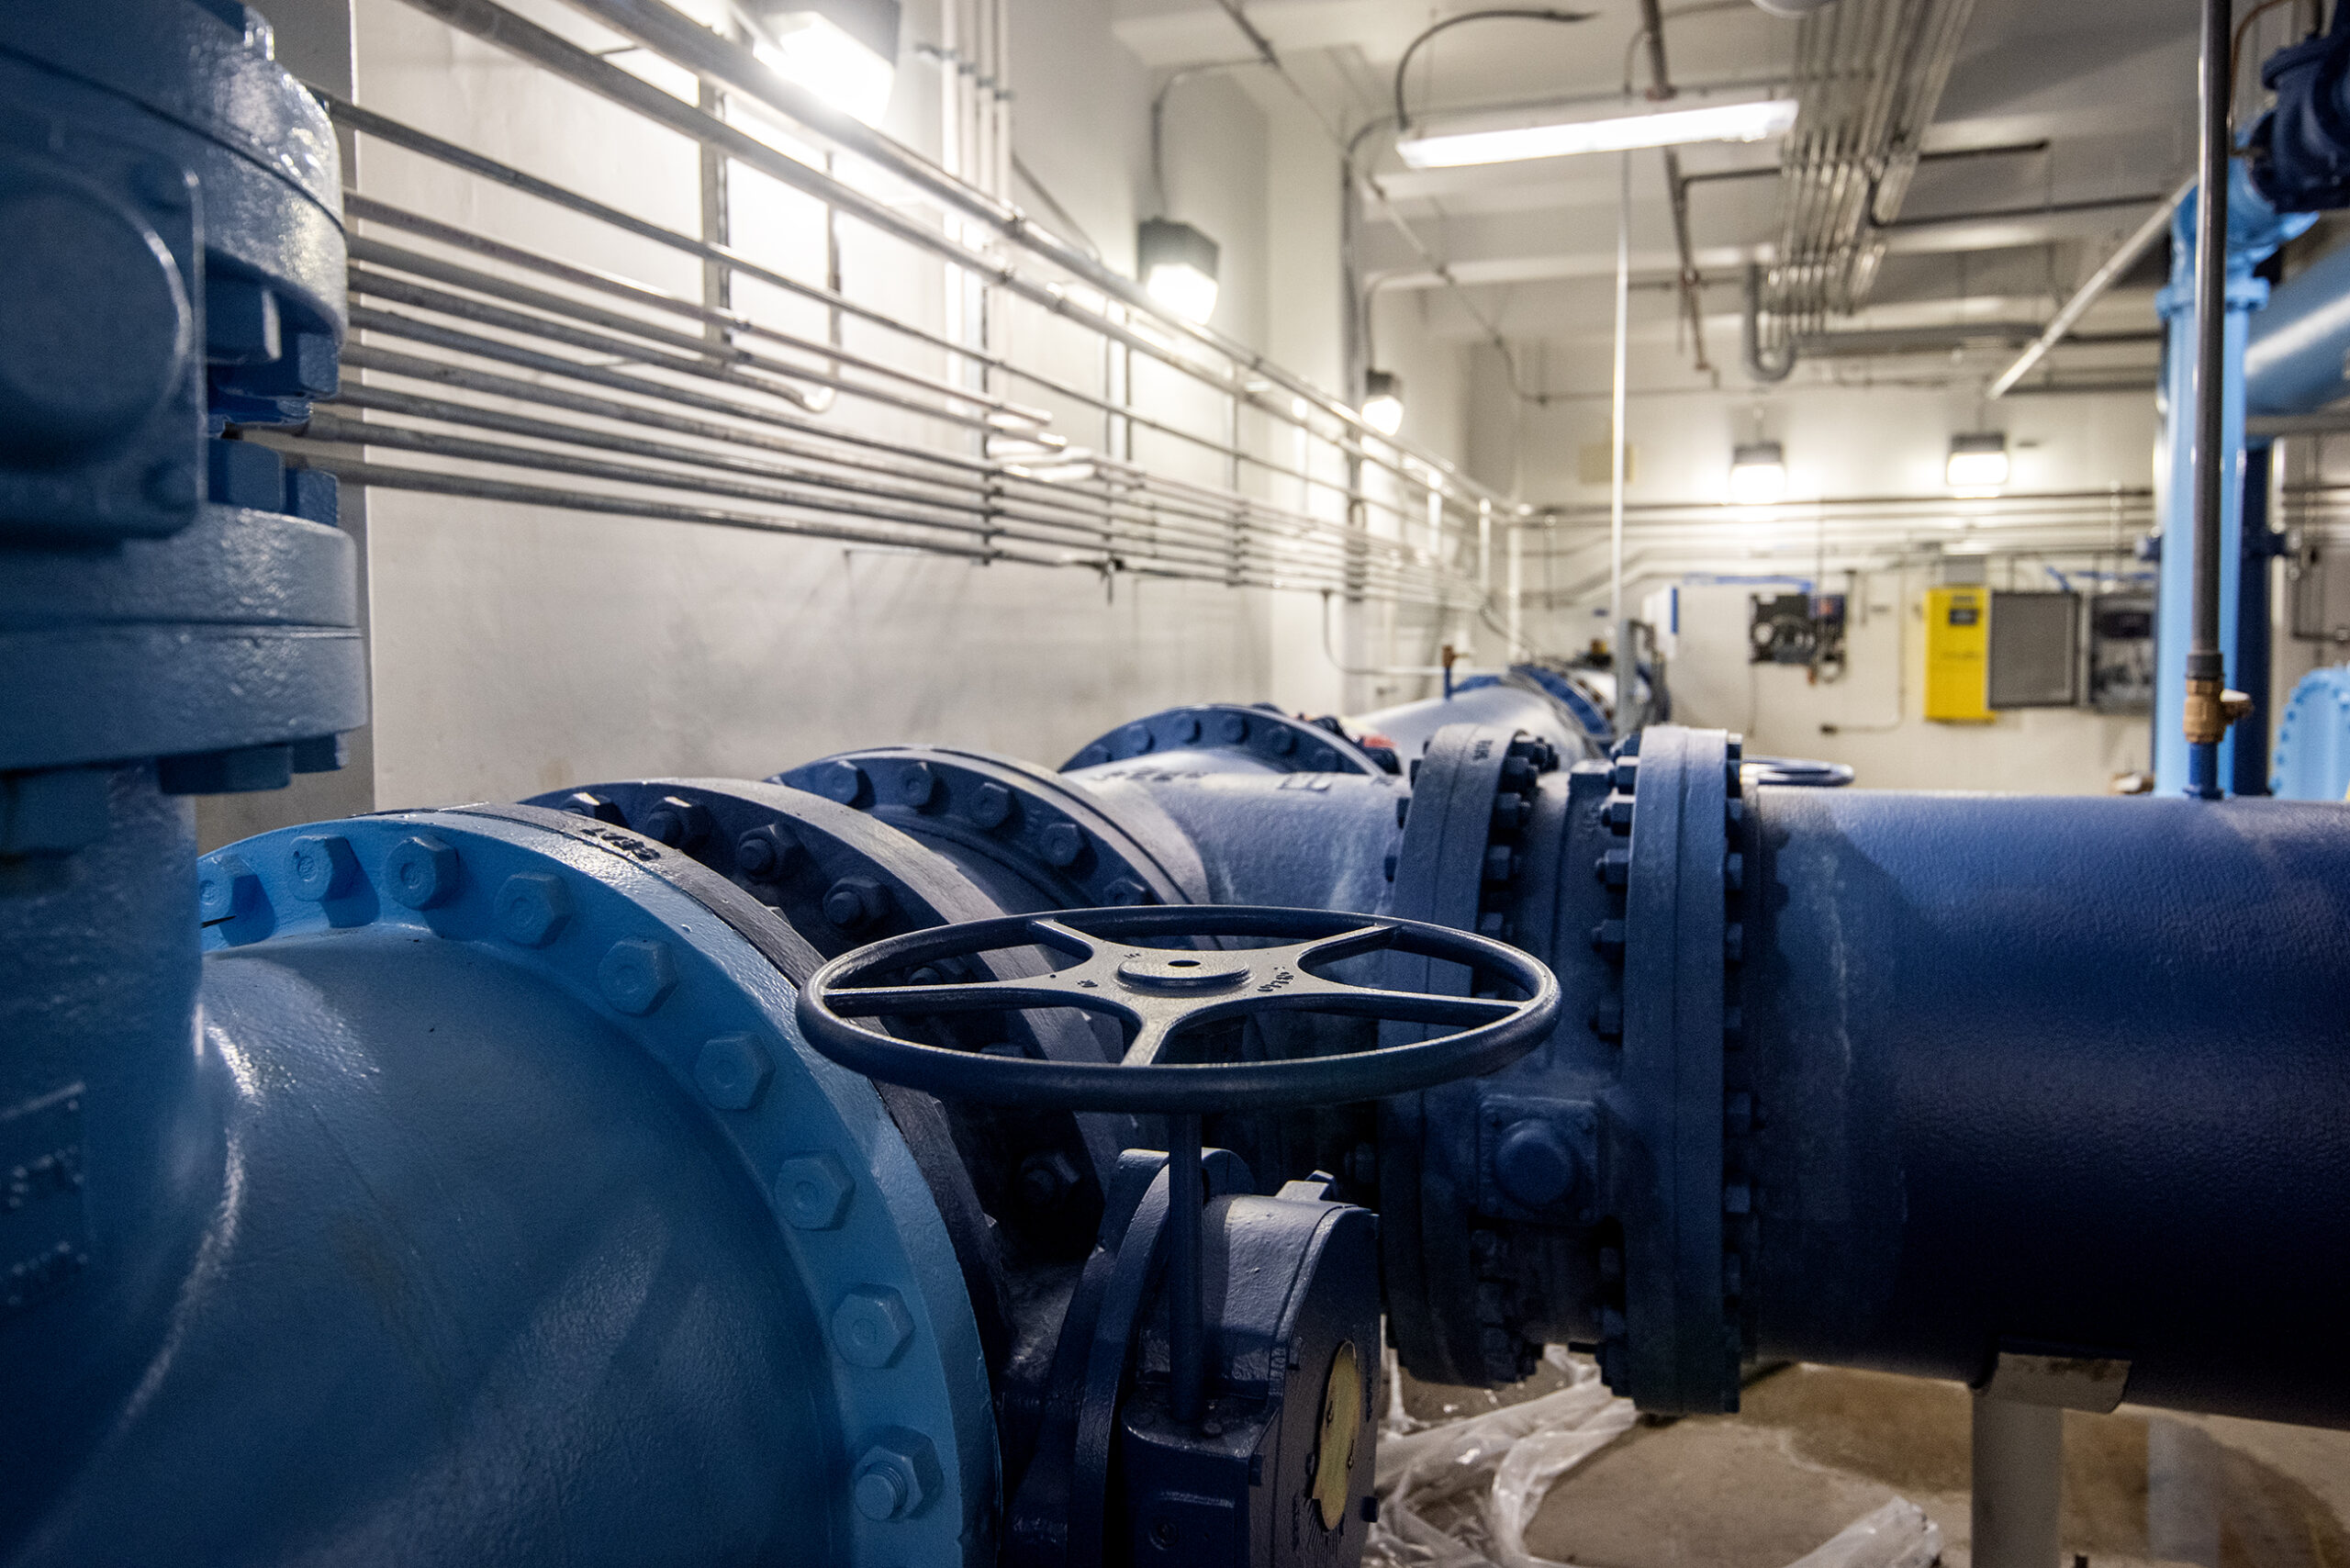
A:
(1454, 1309)
(529, 1231)
(2313, 739)
(1224, 736)
(1687, 1231)
(1031, 839)
(840, 878)
(177, 272)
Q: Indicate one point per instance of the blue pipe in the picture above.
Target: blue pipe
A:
(2255, 230)
(2293, 356)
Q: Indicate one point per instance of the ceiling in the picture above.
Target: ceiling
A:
(2061, 126)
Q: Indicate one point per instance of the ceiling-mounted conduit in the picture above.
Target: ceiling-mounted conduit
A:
(1869, 76)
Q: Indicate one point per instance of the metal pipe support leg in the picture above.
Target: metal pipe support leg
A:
(2018, 1482)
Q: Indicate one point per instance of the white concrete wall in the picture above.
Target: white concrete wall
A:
(517, 649)
(1879, 440)
(1874, 706)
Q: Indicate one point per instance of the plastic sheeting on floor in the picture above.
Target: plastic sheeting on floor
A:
(1485, 1475)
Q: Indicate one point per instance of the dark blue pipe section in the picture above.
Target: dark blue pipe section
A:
(2053, 1073)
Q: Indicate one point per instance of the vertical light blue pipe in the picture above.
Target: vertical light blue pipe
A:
(2255, 230)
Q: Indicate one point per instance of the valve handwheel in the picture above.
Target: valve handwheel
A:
(1161, 995)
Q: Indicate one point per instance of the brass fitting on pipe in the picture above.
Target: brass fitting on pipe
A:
(2210, 710)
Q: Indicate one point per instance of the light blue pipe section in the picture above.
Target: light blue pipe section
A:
(2294, 359)
(2255, 230)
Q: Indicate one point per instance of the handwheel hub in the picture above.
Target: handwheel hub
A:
(1158, 972)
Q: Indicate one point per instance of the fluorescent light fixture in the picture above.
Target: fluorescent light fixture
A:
(1758, 475)
(1666, 127)
(1383, 401)
(1977, 463)
(845, 53)
(1179, 265)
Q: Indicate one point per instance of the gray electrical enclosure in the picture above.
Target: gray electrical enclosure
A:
(2036, 650)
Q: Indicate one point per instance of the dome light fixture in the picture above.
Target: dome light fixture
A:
(1177, 265)
(843, 51)
(1383, 401)
(1758, 474)
(1977, 465)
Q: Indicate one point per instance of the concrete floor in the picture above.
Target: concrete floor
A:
(1815, 1448)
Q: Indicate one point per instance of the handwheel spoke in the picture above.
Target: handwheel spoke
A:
(1064, 939)
(970, 996)
(1403, 1007)
(1345, 944)
(1150, 1041)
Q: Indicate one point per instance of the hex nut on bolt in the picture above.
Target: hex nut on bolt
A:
(917, 785)
(677, 823)
(532, 908)
(990, 805)
(637, 975)
(814, 1191)
(854, 903)
(733, 1071)
(324, 866)
(871, 1327)
(596, 808)
(842, 781)
(896, 1477)
(229, 888)
(1063, 843)
(422, 872)
(764, 854)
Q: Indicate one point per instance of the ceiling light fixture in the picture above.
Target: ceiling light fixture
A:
(1758, 474)
(845, 51)
(1177, 265)
(1666, 127)
(1383, 401)
(1977, 463)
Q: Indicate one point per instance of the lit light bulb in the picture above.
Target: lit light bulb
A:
(1977, 465)
(814, 52)
(1758, 475)
(1182, 288)
(1383, 403)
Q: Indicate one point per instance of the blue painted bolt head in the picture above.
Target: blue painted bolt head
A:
(532, 908)
(854, 903)
(1283, 742)
(171, 487)
(917, 785)
(896, 1477)
(677, 823)
(324, 866)
(1135, 739)
(637, 975)
(871, 1327)
(1063, 843)
(422, 872)
(842, 781)
(766, 853)
(991, 804)
(1187, 728)
(1232, 728)
(1125, 891)
(228, 885)
(812, 1191)
(1534, 1164)
(733, 1071)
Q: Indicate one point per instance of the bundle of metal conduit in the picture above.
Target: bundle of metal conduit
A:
(470, 1184)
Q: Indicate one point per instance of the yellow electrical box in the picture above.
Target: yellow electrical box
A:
(1958, 648)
